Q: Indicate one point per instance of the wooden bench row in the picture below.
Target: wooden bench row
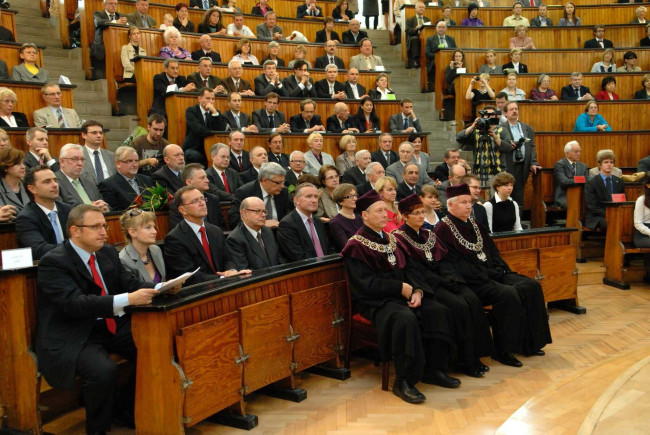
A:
(9, 53)
(30, 99)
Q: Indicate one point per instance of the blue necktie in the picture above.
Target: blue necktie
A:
(206, 5)
(406, 123)
(55, 227)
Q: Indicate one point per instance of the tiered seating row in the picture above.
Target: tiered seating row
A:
(30, 99)
(9, 53)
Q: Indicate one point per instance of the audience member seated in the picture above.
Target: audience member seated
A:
(269, 119)
(630, 63)
(520, 40)
(75, 186)
(275, 147)
(194, 243)
(120, 190)
(354, 35)
(340, 121)
(642, 94)
(205, 41)
(396, 169)
(141, 255)
(484, 91)
(385, 154)
(543, 92)
(608, 89)
(591, 120)
(599, 41)
(273, 52)
(327, 33)
(516, 19)
(341, 12)
(238, 28)
(346, 222)
(450, 158)
(203, 4)
(4, 140)
(261, 8)
(430, 198)
(511, 89)
(181, 22)
(9, 118)
(502, 210)
(38, 152)
(490, 66)
(374, 171)
(129, 51)
(194, 176)
(315, 157)
(230, 6)
(239, 159)
(356, 175)
(329, 87)
(569, 18)
(458, 61)
(644, 164)
(472, 19)
(419, 156)
(269, 187)
(258, 157)
(387, 189)
(596, 170)
(150, 146)
(608, 64)
(575, 90)
(243, 53)
(296, 167)
(645, 42)
(365, 60)
(565, 170)
(102, 19)
(268, 30)
(211, 23)
(169, 175)
(641, 217)
(330, 57)
(202, 120)
(167, 81)
(514, 64)
(640, 13)
(203, 79)
(299, 84)
(140, 18)
(299, 54)
(381, 90)
(4, 72)
(41, 223)
(224, 180)
(599, 189)
(309, 9)
(269, 81)
(328, 179)
(409, 185)
(13, 196)
(478, 210)
(366, 118)
(234, 82)
(173, 49)
(541, 20)
(346, 160)
(100, 162)
(236, 119)
(353, 89)
(27, 70)
(306, 121)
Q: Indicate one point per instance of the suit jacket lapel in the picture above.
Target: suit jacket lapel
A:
(256, 248)
(82, 268)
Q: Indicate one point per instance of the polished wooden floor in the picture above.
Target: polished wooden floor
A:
(615, 333)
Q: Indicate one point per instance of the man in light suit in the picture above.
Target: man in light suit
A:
(203, 79)
(330, 57)
(329, 87)
(224, 180)
(55, 116)
(234, 82)
(75, 187)
(252, 245)
(140, 18)
(405, 121)
(202, 120)
(306, 121)
(100, 162)
(102, 19)
(309, 9)
(365, 60)
(299, 85)
(396, 169)
(565, 169)
(521, 159)
(269, 119)
(599, 40)
(236, 119)
(268, 30)
(269, 81)
(39, 153)
(434, 44)
(414, 26)
(600, 188)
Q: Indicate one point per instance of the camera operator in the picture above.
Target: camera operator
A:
(518, 147)
(484, 138)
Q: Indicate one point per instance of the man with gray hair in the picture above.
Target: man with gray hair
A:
(340, 121)
(565, 170)
(168, 81)
(169, 176)
(39, 153)
(258, 156)
(268, 29)
(205, 41)
(126, 184)
(234, 82)
(396, 169)
(224, 180)
(356, 175)
(329, 87)
(54, 114)
(75, 187)
(374, 171)
(296, 168)
(202, 78)
(269, 187)
(575, 90)
(269, 80)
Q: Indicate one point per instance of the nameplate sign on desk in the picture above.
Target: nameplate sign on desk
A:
(579, 179)
(616, 197)
(17, 258)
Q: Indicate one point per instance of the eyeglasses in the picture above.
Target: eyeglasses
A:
(130, 162)
(135, 212)
(97, 227)
(352, 195)
(74, 159)
(7, 100)
(257, 210)
(58, 94)
(418, 213)
(196, 201)
(275, 182)
(298, 161)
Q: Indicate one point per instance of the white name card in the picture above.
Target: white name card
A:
(17, 258)
(380, 68)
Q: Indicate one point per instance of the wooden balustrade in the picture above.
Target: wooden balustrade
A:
(626, 85)
(8, 20)
(29, 97)
(9, 53)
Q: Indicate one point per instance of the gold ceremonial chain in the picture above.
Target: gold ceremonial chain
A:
(388, 249)
(426, 247)
(476, 247)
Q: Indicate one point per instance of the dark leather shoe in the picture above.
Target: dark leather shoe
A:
(539, 352)
(508, 359)
(483, 367)
(406, 392)
(474, 372)
(440, 378)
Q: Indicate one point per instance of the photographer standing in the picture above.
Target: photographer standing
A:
(484, 138)
(518, 147)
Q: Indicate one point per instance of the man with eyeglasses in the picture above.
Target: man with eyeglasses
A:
(296, 168)
(252, 245)
(306, 121)
(194, 243)
(100, 162)
(374, 171)
(121, 189)
(224, 180)
(54, 115)
(40, 224)
(169, 176)
(76, 187)
(194, 175)
(396, 169)
(269, 187)
(234, 82)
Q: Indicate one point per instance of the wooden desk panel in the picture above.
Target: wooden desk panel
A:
(9, 53)
(8, 20)
(30, 99)
(56, 137)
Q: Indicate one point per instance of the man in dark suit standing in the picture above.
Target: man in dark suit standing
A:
(330, 57)
(566, 169)
(169, 176)
(194, 175)
(121, 189)
(520, 156)
(252, 245)
(41, 223)
(194, 243)
(434, 44)
(76, 187)
(203, 79)
(414, 25)
(269, 187)
(575, 90)
(340, 121)
(306, 121)
(82, 291)
(236, 119)
(299, 85)
(599, 40)
(270, 119)
(309, 9)
(405, 121)
(301, 235)
(353, 89)
(224, 180)
(167, 81)
(39, 153)
(356, 174)
(600, 188)
(353, 35)
(102, 19)
(269, 81)
(275, 153)
(329, 87)
(234, 82)
(202, 120)
(206, 51)
(385, 154)
(239, 159)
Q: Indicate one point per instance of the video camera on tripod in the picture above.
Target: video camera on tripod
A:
(487, 120)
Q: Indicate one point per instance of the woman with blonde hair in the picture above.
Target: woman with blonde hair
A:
(4, 140)
(514, 93)
(381, 90)
(520, 40)
(129, 51)
(315, 157)
(607, 64)
(9, 118)
(515, 63)
(141, 255)
(243, 53)
(299, 53)
(387, 188)
(348, 147)
(173, 50)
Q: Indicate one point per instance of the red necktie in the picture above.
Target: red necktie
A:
(110, 323)
(532, 3)
(206, 247)
(171, 82)
(225, 182)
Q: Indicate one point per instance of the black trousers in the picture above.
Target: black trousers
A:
(414, 49)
